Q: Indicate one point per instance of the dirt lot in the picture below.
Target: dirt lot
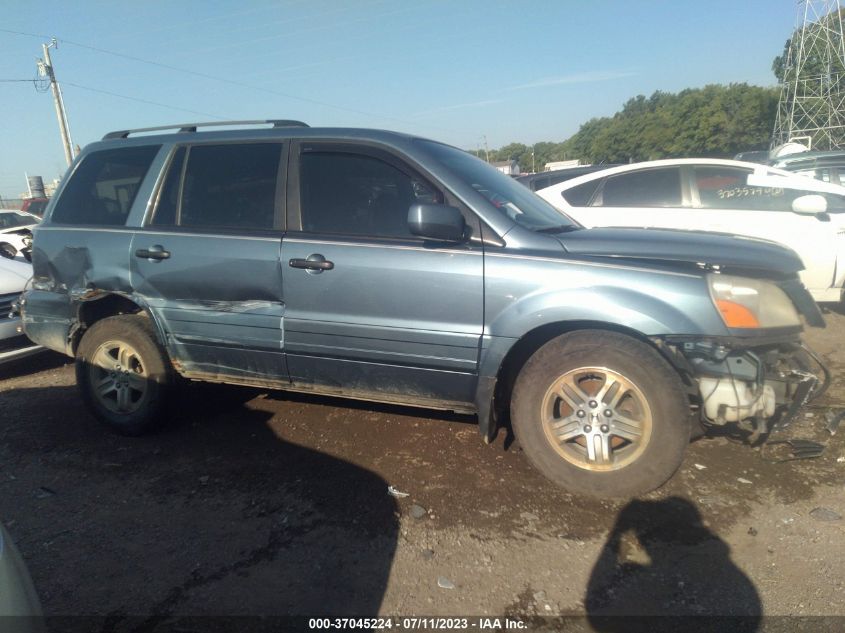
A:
(267, 503)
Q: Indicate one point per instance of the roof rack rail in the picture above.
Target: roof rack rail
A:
(192, 127)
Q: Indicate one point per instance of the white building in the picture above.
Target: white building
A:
(507, 167)
(561, 164)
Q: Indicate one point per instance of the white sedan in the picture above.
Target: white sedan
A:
(724, 196)
(14, 344)
(16, 233)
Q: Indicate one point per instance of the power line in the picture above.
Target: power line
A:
(233, 82)
(148, 102)
(15, 80)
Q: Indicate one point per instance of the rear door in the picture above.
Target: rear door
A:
(371, 310)
(207, 261)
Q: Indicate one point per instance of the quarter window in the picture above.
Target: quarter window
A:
(580, 195)
(103, 187)
(646, 188)
(354, 194)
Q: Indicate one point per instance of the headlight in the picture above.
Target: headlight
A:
(751, 303)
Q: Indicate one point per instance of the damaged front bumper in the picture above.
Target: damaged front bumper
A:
(757, 383)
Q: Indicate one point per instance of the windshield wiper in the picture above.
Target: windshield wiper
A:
(563, 228)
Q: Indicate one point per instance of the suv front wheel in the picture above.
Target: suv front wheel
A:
(601, 413)
(123, 374)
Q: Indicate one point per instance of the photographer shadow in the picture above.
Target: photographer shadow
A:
(662, 569)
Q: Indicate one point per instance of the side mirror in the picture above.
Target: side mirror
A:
(810, 204)
(437, 222)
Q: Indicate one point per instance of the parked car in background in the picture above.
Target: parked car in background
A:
(545, 179)
(723, 196)
(35, 206)
(825, 166)
(760, 156)
(14, 344)
(16, 233)
(385, 267)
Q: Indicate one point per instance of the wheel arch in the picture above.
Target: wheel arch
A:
(501, 366)
(96, 306)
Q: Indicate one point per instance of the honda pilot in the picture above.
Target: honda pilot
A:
(384, 267)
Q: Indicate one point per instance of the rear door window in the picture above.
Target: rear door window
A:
(229, 186)
(103, 187)
(646, 188)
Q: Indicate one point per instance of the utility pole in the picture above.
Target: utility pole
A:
(45, 69)
(486, 149)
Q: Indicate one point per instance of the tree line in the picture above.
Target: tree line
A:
(713, 121)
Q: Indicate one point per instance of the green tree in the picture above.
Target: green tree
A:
(817, 61)
(712, 121)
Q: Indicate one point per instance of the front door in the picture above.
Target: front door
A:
(371, 310)
(207, 262)
(723, 196)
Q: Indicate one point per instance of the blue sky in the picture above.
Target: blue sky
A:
(456, 71)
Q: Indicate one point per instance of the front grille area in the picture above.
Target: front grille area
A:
(6, 304)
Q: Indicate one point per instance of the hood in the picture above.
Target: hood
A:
(13, 275)
(665, 245)
(20, 227)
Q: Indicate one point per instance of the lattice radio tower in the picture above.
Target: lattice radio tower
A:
(811, 109)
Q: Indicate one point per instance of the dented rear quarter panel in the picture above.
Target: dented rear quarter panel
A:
(69, 264)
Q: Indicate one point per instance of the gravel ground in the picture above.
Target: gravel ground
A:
(257, 502)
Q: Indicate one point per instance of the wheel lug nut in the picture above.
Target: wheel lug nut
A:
(604, 428)
(593, 404)
(587, 428)
(580, 413)
(608, 413)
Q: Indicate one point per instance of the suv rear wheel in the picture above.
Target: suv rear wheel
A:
(123, 374)
(601, 413)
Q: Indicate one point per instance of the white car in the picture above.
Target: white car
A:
(14, 276)
(16, 232)
(723, 196)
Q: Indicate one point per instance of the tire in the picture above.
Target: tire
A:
(626, 440)
(124, 374)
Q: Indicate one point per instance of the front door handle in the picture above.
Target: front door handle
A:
(153, 252)
(315, 262)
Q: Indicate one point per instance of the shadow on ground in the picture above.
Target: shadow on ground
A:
(216, 515)
(660, 560)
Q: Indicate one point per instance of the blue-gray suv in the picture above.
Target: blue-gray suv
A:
(389, 268)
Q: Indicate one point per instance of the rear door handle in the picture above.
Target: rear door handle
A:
(153, 252)
(315, 262)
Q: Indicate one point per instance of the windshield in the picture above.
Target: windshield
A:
(10, 219)
(519, 203)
